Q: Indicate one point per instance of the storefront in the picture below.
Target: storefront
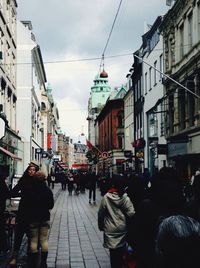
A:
(178, 157)
(10, 154)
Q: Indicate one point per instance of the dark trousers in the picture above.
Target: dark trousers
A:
(3, 238)
(116, 257)
(63, 184)
(92, 193)
(20, 230)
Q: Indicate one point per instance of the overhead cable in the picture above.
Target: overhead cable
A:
(167, 76)
(109, 36)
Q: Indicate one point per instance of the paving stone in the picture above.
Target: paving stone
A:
(89, 257)
(77, 265)
(74, 239)
(62, 262)
(62, 266)
(91, 264)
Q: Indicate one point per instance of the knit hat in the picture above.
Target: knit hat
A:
(35, 164)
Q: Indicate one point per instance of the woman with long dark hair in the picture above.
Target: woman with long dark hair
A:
(21, 189)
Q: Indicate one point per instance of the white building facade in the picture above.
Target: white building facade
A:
(128, 117)
(31, 81)
(153, 91)
(129, 125)
(10, 143)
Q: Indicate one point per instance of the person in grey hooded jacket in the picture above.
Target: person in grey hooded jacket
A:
(114, 210)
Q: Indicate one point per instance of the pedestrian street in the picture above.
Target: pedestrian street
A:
(74, 239)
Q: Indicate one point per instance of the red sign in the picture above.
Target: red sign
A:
(79, 166)
(49, 144)
(139, 143)
(104, 155)
(120, 161)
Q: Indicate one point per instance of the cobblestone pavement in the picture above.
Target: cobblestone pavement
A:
(74, 239)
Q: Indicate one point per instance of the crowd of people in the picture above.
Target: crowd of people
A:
(33, 214)
(75, 181)
(159, 220)
(157, 217)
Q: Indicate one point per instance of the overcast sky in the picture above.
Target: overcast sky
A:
(78, 29)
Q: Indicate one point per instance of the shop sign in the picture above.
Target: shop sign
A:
(120, 161)
(49, 143)
(175, 149)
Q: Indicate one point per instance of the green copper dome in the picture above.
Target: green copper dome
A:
(100, 91)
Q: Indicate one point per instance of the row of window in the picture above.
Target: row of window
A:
(188, 32)
(8, 57)
(153, 75)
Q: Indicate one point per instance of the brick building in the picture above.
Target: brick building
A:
(111, 137)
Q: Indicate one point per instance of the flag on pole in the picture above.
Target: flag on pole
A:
(92, 147)
(89, 144)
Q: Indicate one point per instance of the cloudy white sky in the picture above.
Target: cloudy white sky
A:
(78, 29)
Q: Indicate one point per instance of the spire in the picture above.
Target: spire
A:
(103, 74)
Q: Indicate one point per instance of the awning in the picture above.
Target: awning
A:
(13, 156)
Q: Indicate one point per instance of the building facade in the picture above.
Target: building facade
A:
(10, 143)
(80, 153)
(181, 34)
(111, 144)
(99, 94)
(31, 79)
(129, 123)
(153, 92)
(138, 110)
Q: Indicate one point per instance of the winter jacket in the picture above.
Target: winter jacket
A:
(39, 201)
(21, 189)
(36, 200)
(113, 212)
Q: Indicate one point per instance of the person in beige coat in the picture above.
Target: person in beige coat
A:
(114, 210)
